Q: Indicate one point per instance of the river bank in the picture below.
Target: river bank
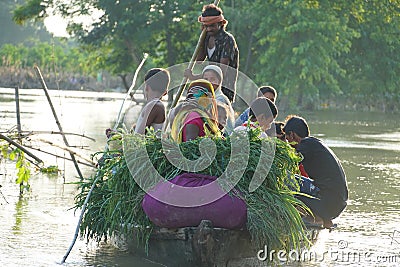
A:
(26, 78)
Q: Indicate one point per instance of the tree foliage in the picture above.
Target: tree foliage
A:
(373, 62)
(11, 32)
(71, 59)
(313, 51)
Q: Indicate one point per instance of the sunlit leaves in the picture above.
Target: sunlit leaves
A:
(69, 59)
(21, 164)
(33, 9)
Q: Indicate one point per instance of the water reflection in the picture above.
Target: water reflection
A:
(368, 149)
(381, 145)
(20, 214)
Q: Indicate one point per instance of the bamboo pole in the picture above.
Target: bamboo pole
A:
(145, 55)
(46, 91)
(9, 140)
(27, 133)
(95, 181)
(93, 165)
(67, 149)
(18, 114)
(80, 220)
(18, 125)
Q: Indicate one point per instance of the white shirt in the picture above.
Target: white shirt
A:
(252, 125)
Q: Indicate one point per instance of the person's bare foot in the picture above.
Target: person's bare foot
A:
(328, 224)
(313, 220)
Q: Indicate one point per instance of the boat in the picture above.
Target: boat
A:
(115, 209)
(203, 245)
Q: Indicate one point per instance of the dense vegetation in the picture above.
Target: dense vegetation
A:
(317, 53)
(44, 54)
(11, 33)
(60, 61)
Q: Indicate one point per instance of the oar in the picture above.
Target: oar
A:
(190, 66)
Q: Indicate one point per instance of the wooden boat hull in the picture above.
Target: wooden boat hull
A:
(199, 246)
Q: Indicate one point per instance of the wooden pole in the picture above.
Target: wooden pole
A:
(9, 140)
(97, 178)
(18, 123)
(191, 63)
(18, 112)
(27, 133)
(68, 150)
(145, 55)
(93, 165)
(80, 220)
(46, 91)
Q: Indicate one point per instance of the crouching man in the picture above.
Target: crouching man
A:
(325, 170)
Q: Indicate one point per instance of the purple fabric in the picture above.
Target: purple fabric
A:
(228, 212)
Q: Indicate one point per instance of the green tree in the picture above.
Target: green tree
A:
(373, 64)
(303, 40)
(164, 29)
(312, 51)
(11, 33)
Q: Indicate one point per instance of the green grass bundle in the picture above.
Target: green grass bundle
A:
(115, 202)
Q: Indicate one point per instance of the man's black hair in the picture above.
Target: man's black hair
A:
(265, 89)
(298, 125)
(279, 127)
(158, 79)
(262, 105)
(276, 130)
(211, 10)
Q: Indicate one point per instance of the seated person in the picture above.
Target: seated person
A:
(213, 74)
(262, 113)
(223, 111)
(276, 130)
(265, 91)
(156, 84)
(197, 111)
(186, 192)
(324, 168)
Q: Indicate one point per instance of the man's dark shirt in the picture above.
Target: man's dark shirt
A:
(226, 47)
(324, 167)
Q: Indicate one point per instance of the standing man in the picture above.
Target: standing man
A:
(219, 47)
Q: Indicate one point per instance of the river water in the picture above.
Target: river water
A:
(38, 228)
